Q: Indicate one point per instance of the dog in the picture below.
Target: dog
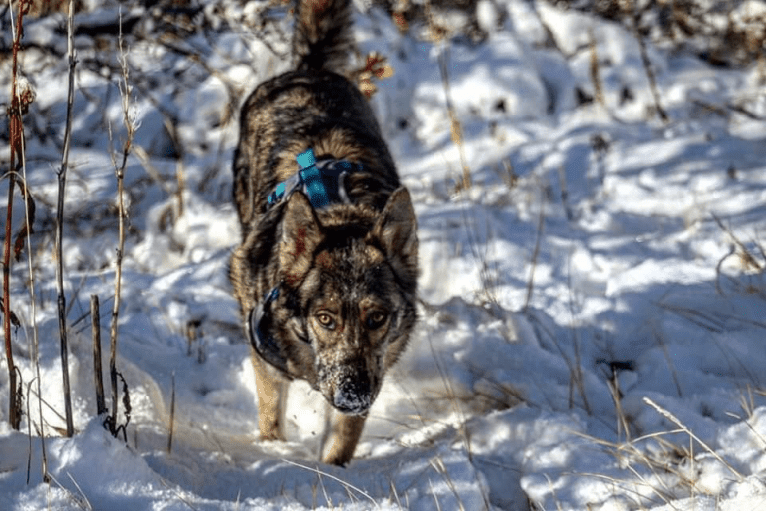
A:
(326, 273)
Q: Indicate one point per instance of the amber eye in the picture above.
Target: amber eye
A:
(326, 320)
(376, 319)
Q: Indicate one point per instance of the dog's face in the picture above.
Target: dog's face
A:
(348, 304)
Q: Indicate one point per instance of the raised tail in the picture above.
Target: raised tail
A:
(323, 38)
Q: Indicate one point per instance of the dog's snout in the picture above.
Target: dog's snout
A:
(353, 396)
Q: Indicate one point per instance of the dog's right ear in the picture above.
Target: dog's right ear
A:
(301, 234)
(396, 230)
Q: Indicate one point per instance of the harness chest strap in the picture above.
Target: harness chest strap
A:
(323, 182)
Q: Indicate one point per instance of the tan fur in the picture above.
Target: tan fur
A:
(346, 273)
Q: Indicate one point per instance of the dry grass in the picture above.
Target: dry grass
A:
(352, 490)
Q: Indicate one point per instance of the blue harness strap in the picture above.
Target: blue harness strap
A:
(322, 182)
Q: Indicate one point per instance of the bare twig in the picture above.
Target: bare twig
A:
(438, 465)
(535, 254)
(576, 368)
(345, 484)
(748, 260)
(120, 174)
(13, 413)
(19, 102)
(672, 418)
(565, 193)
(439, 36)
(172, 411)
(98, 375)
(633, 15)
(29, 213)
(595, 70)
(452, 395)
(456, 130)
(614, 389)
(60, 226)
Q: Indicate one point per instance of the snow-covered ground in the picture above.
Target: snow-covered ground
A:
(592, 322)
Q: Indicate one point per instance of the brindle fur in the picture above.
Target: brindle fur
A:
(347, 273)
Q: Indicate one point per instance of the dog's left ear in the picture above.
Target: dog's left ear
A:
(301, 234)
(397, 232)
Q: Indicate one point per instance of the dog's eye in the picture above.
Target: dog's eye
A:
(326, 320)
(376, 319)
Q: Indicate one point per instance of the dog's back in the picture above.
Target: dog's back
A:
(313, 106)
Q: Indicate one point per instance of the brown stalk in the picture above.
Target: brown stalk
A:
(595, 70)
(98, 374)
(172, 411)
(19, 102)
(634, 21)
(13, 416)
(120, 174)
(456, 131)
(535, 255)
(60, 228)
(439, 35)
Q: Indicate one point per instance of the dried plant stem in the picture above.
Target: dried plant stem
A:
(622, 420)
(29, 208)
(35, 350)
(634, 18)
(595, 70)
(172, 411)
(60, 227)
(456, 130)
(576, 370)
(13, 416)
(345, 484)
(98, 375)
(672, 418)
(17, 150)
(120, 174)
(535, 255)
(117, 290)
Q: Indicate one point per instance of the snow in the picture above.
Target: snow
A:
(602, 261)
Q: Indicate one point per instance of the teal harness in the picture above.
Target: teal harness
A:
(323, 183)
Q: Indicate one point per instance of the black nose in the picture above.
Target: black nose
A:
(353, 397)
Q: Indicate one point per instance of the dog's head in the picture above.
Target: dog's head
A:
(346, 300)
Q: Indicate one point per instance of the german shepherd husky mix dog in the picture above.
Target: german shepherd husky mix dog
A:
(326, 272)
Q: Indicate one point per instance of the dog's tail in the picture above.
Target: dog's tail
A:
(323, 38)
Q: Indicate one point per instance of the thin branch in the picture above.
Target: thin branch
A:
(535, 255)
(60, 226)
(13, 416)
(19, 102)
(120, 174)
(672, 418)
(456, 131)
(172, 411)
(29, 209)
(345, 484)
(634, 20)
(98, 374)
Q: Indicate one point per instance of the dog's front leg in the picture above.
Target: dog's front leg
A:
(272, 393)
(341, 437)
